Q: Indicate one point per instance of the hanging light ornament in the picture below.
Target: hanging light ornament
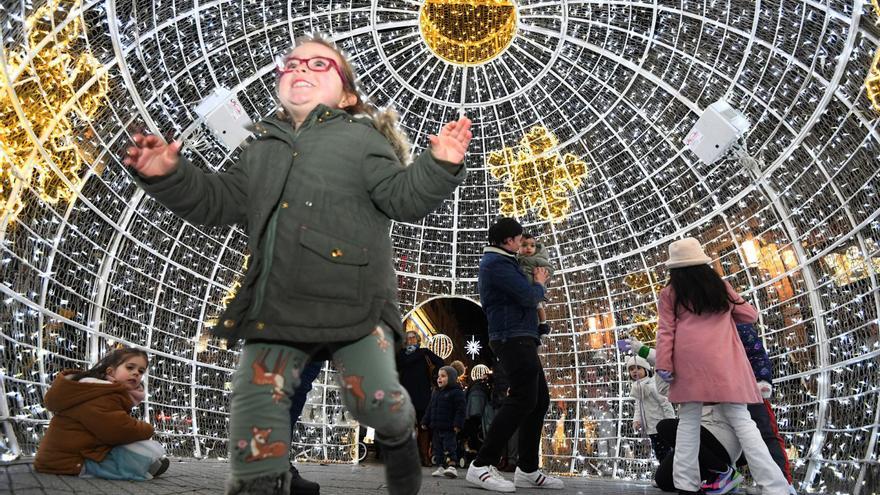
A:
(60, 89)
(467, 32)
(535, 176)
(479, 372)
(473, 347)
(441, 345)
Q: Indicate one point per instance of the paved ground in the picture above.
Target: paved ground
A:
(206, 477)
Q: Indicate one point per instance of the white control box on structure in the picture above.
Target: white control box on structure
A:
(716, 131)
(224, 115)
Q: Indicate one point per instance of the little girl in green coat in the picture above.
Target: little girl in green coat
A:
(317, 191)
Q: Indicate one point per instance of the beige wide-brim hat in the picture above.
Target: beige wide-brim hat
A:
(686, 252)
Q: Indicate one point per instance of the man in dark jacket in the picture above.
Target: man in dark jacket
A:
(510, 303)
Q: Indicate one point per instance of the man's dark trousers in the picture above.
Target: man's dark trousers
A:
(523, 408)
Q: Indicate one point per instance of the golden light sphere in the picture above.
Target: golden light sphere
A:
(479, 372)
(441, 345)
(467, 32)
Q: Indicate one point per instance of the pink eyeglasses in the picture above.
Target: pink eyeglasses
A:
(315, 64)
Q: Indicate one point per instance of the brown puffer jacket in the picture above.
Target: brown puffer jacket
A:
(90, 419)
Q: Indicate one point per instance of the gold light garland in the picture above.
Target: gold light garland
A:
(851, 265)
(872, 82)
(559, 441)
(644, 283)
(467, 32)
(44, 87)
(535, 177)
(441, 345)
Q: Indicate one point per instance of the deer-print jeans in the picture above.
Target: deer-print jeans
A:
(267, 376)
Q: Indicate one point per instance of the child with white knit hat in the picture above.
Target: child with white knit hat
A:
(651, 406)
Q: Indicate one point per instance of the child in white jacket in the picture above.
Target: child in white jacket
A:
(651, 404)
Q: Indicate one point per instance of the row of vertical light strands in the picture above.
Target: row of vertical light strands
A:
(579, 115)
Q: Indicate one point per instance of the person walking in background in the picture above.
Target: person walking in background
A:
(418, 368)
(699, 353)
(510, 303)
(318, 190)
(445, 418)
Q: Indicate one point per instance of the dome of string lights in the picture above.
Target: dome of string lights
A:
(593, 99)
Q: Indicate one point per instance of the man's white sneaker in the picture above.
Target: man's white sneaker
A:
(439, 472)
(536, 479)
(488, 478)
(451, 472)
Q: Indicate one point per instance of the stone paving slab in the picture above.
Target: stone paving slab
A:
(189, 476)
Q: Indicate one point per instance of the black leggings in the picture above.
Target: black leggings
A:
(713, 456)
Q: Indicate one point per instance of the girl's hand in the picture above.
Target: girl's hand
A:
(451, 143)
(666, 376)
(152, 157)
(637, 425)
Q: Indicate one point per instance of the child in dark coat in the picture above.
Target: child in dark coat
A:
(445, 416)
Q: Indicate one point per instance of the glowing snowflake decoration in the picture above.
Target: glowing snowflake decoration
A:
(473, 348)
(535, 176)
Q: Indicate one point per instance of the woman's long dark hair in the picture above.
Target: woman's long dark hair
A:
(699, 289)
(111, 360)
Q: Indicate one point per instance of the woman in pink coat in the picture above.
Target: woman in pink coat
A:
(700, 354)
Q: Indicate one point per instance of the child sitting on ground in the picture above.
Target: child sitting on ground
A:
(92, 432)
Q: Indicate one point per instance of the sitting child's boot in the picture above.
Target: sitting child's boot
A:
(302, 486)
(275, 484)
(159, 466)
(403, 471)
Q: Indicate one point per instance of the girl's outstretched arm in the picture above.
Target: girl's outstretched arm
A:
(151, 156)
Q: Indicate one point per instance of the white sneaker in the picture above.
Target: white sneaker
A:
(451, 472)
(488, 478)
(439, 472)
(536, 479)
